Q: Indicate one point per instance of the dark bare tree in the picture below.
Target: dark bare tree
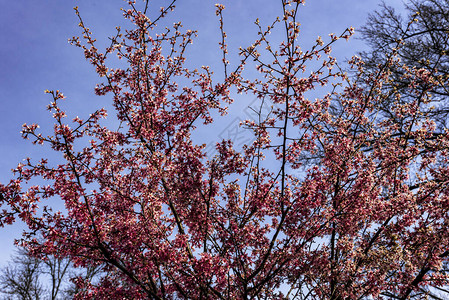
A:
(49, 277)
(20, 279)
(57, 269)
(30, 278)
(421, 40)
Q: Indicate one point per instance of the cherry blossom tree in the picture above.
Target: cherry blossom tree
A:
(422, 33)
(364, 216)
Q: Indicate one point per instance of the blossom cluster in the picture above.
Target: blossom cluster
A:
(368, 214)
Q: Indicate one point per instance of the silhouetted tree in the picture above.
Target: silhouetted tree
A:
(27, 277)
(421, 41)
(20, 279)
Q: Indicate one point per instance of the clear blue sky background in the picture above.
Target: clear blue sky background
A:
(35, 56)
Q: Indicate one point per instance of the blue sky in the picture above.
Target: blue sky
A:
(35, 56)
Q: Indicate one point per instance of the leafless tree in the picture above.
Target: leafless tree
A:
(421, 41)
(30, 278)
(20, 279)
